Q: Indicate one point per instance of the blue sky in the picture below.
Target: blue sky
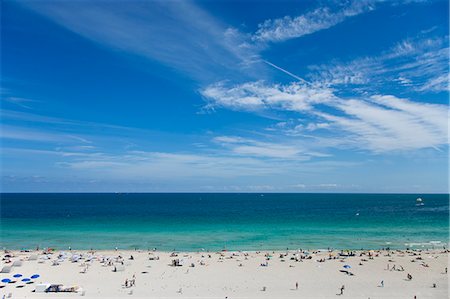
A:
(227, 96)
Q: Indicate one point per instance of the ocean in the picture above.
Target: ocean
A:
(216, 221)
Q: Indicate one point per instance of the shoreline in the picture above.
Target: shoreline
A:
(415, 246)
(55, 249)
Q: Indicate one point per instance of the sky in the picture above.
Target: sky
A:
(224, 96)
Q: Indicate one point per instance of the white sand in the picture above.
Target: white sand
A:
(222, 276)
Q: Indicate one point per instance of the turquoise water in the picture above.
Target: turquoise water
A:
(219, 221)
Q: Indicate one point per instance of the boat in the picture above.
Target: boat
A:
(419, 202)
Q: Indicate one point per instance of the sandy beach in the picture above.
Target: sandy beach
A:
(228, 274)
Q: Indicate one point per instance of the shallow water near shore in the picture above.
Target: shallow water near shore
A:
(192, 222)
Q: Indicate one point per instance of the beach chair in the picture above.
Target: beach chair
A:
(17, 264)
(6, 269)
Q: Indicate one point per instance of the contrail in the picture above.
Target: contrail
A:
(285, 71)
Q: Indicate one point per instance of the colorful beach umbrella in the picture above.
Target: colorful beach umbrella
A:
(26, 279)
(347, 266)
(34, 276)
(17, 275)
(6, 280)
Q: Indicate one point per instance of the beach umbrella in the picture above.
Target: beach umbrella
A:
(347, 266)
(26, 279)
(6, 280)
(17, 275)
(34, 276)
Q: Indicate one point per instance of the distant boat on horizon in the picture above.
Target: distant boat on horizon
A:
(419, 202)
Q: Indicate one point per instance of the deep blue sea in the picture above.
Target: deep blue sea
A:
(223, 221)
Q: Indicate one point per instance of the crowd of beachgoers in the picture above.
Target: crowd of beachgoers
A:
(388, 273)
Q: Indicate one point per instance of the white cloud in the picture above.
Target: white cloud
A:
(294, 129)
(419, 64)
(317, 126)
(387, 123)
(301, 186)
(379, 123)
(404, 81)
(253, 96)
(328, 185)
(319, 19)
(253, 148)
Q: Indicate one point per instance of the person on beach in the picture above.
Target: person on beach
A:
(296, 285)
(382, 283)
(342, 290)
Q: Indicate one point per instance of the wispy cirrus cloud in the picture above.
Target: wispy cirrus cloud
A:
(277, 30)
(253, 148)
(36, 135)
(148, 164)
(30, 117)
(91, 154)
(21, 102)
(179, 34)
(64, 134)
(435, 84)
(163, 165)
(378, 123)
(387, 123)
(419, 64)
(158, 170)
